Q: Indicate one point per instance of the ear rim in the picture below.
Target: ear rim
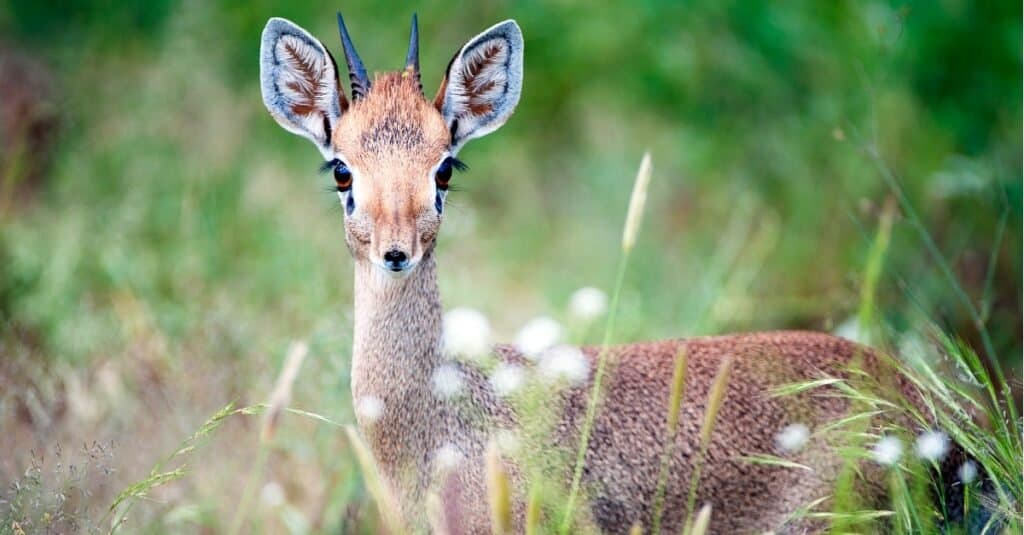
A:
(510, 31)
(275, 29)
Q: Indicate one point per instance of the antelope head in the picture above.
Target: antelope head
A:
(390, 149)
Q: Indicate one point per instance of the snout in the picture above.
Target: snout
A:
(396, 260)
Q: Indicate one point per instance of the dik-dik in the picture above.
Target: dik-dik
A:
(392, 153)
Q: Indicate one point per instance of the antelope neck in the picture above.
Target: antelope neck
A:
(396, 348)
(397, 339)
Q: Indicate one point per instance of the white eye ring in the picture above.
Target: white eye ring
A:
(348, 201)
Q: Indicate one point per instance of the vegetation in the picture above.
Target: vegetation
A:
(844, 166)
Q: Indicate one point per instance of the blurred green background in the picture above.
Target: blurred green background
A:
(162, 240)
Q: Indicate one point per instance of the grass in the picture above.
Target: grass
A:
(916, 487)
(672, 424)
(634, 216)
(178, 242)
(715, 397)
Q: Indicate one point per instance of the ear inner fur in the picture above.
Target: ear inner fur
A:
(299, 83)
(482, 83)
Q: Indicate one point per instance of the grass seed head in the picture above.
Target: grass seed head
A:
(636, 203)
(499, 491)
(715, 398)
(702, 521)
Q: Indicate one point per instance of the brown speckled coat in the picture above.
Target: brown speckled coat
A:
(391, 152)
(397, 347)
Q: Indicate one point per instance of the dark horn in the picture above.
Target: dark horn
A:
(412, 59)
(356, 71)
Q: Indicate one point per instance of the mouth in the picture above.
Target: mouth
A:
(397, 271)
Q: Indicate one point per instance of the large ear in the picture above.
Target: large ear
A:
(299, 80)
(481, 88)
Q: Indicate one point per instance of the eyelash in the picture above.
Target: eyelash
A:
(343, 176)
(444, 171)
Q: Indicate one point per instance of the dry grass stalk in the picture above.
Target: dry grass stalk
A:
(715, 398)
(533, 512)
(499, 491)
(703, 520)
(387, 506)
(675, 403)
(282, 394)
(632, 227)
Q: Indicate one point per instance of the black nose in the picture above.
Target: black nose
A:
(395, 260)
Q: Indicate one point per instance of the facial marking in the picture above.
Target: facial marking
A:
(394, 141)
(391, 132)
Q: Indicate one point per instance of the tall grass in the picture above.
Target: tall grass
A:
(158, 476)
(175, 220)
(675, 402)
(986, 431)
(280, 398)
(716, 395)
(957, 395)
(634, 216)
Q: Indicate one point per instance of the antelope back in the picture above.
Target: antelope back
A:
(390, 150)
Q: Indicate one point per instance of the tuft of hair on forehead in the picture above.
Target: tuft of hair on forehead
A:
(393, 117)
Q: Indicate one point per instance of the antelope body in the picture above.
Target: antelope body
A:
(391, 152)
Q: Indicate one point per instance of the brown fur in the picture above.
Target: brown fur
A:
(397, 347)
(622, 460)
(392, 139)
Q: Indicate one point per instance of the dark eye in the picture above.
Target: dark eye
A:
(443, 174)
(342, 177)
(444, 171)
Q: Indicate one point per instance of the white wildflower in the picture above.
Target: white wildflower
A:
(538, 335)
(447, 381)
(80, 398)
(369, 408)
(588, 304)
(272, 495)
(507, 378)
(932, 446)
(793, 437)
(915, 350)
(447, 457)
(467, 333)
(968, 472)
(888, 450)
(109, 378)
(564, 363)
(508, 441)
(850, 329)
